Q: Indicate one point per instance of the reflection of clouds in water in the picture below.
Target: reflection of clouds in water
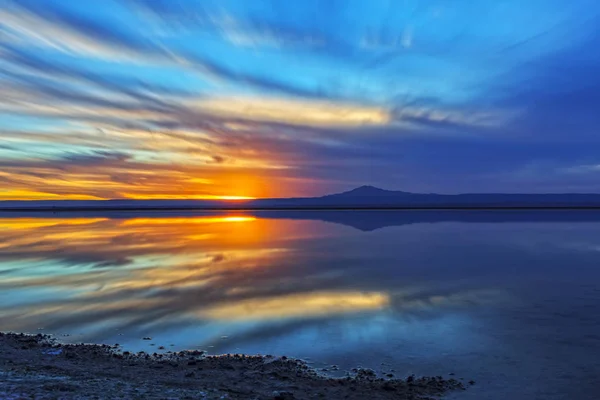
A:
(102, 240)
(582, 246)
(503, 303)
(296, 305)
(433, 299)
(97, 275)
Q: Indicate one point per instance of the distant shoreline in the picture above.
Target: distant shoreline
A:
(309, 208)
(364, 198)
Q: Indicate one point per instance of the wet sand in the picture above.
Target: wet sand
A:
(38, 367)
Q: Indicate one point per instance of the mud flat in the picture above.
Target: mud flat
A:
(38, 367)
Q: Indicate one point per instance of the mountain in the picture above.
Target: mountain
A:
(373, 197)
(368, 191)
(363, 197)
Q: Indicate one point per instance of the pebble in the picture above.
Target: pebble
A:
(277, 395)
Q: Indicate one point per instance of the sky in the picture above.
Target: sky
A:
(228, 99)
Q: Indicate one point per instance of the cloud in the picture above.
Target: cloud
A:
(556, 94)
(218, 159)
(96, 158)
(63, 31)
(246, 30)
(583, 169)
(293, 112)
(21, 65)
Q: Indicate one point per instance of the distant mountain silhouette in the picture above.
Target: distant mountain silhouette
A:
(381, 198)
(368, 191)
(373, 197)
(364, 197)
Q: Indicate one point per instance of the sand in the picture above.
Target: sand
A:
(38, 367)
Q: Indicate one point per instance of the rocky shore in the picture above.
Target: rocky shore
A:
(38, 367)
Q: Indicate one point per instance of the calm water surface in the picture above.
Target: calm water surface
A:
(509, 299)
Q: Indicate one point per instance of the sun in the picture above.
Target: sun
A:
(235, 198)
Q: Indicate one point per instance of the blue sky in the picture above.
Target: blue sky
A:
(212, 99)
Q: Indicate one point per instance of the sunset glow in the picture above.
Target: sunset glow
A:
(184, 197)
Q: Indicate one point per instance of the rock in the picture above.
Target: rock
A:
(282, 395)
(366, 373)
(217, 376)
(146, 338)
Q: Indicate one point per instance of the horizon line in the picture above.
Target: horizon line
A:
(298, 208)
(242, 199)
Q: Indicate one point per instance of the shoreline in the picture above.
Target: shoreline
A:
(300, 208)
(40, 367)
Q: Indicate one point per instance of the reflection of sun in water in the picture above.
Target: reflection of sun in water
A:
(182, 221)
(238, 219)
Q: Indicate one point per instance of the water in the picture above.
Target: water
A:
(508, 299)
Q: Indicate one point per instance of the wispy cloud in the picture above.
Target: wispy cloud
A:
(67, 32)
